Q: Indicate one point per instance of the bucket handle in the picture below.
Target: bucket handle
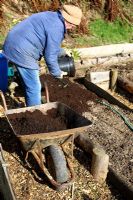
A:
(47, 91)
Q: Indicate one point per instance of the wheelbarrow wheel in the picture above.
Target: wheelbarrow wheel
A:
(56, 163)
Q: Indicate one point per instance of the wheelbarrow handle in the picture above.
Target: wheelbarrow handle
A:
(3, 100)
(47, 92)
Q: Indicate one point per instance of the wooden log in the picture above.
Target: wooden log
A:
(106, 50)
(100, 160)
(113, 79)
(125, 84)
(84, 143)
(118, 181)
(99, 166)
(98, 77)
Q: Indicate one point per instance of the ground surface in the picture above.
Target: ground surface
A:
(108, 129)
(27, 186)
(113, 134)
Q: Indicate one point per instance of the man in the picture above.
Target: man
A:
(39, 35)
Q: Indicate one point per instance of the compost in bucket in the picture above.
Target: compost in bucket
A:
(36, 122)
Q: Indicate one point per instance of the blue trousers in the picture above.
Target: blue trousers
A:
(32, 85)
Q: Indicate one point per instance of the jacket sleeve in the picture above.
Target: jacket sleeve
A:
(51, 52)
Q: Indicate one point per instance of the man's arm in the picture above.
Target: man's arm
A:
(51, 52)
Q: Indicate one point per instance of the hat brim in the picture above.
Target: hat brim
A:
(71, 19)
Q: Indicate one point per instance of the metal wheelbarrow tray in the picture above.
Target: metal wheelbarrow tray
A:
(35, 142)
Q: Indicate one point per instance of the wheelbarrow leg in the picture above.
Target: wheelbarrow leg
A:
(36, 151)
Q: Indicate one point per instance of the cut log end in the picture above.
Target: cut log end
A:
(99, 166)
(100, 160)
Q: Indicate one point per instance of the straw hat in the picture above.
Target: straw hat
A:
(72, 14)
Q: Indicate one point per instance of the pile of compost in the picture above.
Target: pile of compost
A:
(37, 122)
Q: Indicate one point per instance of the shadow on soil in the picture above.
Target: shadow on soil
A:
(83, 158)
(114, 191)
(86, 197)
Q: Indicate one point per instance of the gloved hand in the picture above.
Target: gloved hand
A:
(62, 75)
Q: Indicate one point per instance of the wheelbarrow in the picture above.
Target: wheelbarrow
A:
(49, 137)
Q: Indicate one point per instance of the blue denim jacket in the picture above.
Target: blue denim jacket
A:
(39, 35)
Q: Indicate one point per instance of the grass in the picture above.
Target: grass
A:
(102, 32)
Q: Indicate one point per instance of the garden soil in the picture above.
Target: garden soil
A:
(27, 123)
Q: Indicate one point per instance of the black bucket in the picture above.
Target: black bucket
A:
(66, 64)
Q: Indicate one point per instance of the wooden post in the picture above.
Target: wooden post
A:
(100, 160)
(99, 166)
(84, 143)
(113, 79)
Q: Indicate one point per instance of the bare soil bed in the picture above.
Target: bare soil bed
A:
(72, 95)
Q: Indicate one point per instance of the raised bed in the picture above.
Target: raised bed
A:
(72, 96)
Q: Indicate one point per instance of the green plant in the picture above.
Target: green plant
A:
(115, 32)
(102, 32)
(75, 54)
